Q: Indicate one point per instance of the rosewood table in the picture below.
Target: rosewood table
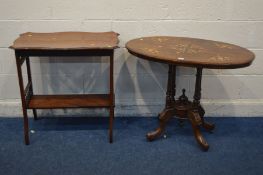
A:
(189, 52)
(63, 44)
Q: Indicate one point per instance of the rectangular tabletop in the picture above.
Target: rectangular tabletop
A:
(66, 41)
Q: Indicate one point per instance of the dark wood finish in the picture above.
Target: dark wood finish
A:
(19, 62)
(64, 53)
(191, 52)
(169, 110)
(111, 99)
(198, 53)
(183, 109)
(69, 101)
(30, 87)
(64, 44)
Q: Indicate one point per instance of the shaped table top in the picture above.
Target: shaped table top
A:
(66, 41)
(191, 52)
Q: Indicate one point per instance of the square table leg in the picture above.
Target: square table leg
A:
(19, 62)
(111, 98)
(29, 76)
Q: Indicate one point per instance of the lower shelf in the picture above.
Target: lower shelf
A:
(69, 101)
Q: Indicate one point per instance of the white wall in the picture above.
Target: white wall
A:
(139, 85)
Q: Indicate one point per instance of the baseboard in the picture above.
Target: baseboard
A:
(214, 108)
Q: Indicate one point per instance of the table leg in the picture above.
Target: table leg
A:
(196, 114)
(208, 126)
(111, 124)
(169, 109)
(19, 63)
(111, 98)
(35, 114)
(29, 76)
(195, 120)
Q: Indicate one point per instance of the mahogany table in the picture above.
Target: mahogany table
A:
(189, 52)
(63, 44)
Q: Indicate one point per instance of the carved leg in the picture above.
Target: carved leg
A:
(197, 112)
(208, 126)
(164, 117)
(196, 120)
(169, 110)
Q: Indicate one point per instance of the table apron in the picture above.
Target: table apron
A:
(64, 53)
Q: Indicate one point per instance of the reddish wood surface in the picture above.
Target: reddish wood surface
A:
(64, 44)
(19, 62)
(66, 41)
(191, 52)
(69, 101)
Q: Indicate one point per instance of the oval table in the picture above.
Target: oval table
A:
(189, 52)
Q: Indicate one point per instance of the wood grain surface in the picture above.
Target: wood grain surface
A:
(66, 40)
(190, 52)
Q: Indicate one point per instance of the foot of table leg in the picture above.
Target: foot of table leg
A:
(181, 122)
(35, 114)
(26, 128)
(196, 121)
(27, 140)
(111, 124)
(164, 117)
(26, 137)
(208, 126)
(154, 134)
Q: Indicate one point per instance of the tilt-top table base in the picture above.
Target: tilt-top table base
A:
(183, 109)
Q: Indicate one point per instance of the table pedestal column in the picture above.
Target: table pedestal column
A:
(183, 109)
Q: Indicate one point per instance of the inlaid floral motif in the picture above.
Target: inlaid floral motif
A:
(220, 58)
(151, 50)
(179, 48)
(223, 46)
(195, 49)
(187, 48)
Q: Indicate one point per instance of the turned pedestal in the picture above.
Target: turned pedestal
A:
(183, 109)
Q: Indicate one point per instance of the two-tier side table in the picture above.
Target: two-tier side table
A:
(64, 44)
(189, 52)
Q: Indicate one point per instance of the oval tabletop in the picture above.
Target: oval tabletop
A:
(191, 52)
